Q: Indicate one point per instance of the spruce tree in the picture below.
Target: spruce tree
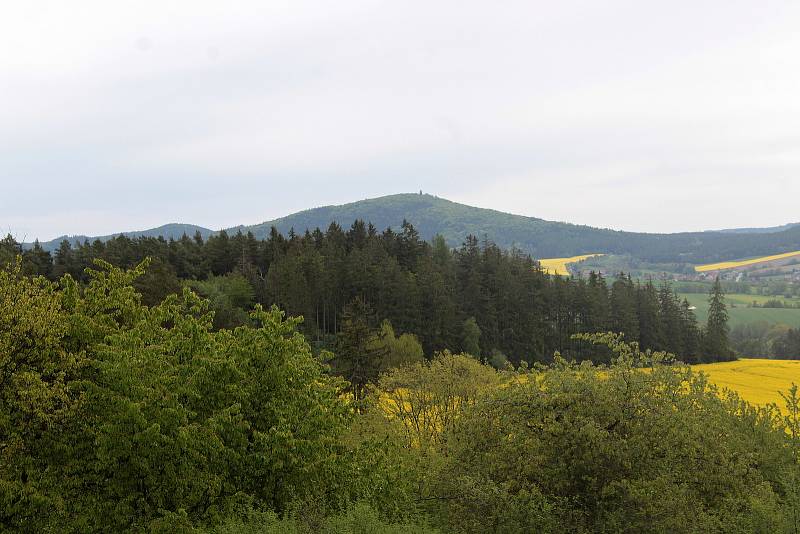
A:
(359, 348)
(716, 345)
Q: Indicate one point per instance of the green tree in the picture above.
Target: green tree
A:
(471, 337)
(39, 400)
(360, 350)
(398, 350)
(716, 346)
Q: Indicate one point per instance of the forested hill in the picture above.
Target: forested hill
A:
(768, 230)
(167, 231)
(432, 215)
(542, 239)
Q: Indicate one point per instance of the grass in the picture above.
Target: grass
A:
(739, 312)
(743, 263)
(758, 381)
(558, 266)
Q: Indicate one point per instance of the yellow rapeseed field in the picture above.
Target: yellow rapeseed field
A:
(757, 381)
(744, 263)
(558, 266)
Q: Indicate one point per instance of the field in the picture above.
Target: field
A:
(758, 381)
(558, 266)
(741, 314)
(743, 263)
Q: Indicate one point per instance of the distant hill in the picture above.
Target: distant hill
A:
(167, 231)
(432, 215)
(768, 230)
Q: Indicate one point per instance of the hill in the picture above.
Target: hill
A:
(432, 215)
(768, 230)
(167, 231)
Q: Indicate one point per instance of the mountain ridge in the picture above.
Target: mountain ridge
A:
(167, 231)
(433, 215)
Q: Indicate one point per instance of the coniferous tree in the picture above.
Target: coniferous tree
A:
(651, 335)
(716, 344)
(624, 313)
(360, 349)
(691, 346)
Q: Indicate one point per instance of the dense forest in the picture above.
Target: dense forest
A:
(433, 216)
(495, 304)
(116, 416)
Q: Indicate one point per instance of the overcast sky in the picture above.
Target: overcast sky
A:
(654, 116)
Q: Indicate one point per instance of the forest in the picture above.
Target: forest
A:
(121, 416)
(495, 304)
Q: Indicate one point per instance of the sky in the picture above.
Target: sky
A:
(648, 116)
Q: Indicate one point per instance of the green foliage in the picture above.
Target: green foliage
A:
(397, 350)
(39, 396)
(231, 296)
(615, 449)
(118, 416)
(471, 337)
(426, 398)
(359, 519)
(115, 416)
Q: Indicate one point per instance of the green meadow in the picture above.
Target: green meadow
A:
(742, 312)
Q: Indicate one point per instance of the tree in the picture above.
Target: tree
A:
(715, 339)
(9, 250)
(398, 350)
(426, 398)
(39, 398)
(471, 337)
(359, 347)
(624, 313)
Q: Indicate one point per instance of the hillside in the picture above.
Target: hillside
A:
(767, 230)
(167, 231)
(432, 215)
(541, 238)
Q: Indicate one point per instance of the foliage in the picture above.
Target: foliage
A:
(359, 519)
(426, 398)
(397, 350)
(230, 295)
(614, 449)
(116, 416)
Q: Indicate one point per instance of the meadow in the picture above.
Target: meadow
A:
(559, 266)
(758, 381)
(740, 313)
(743, 263)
